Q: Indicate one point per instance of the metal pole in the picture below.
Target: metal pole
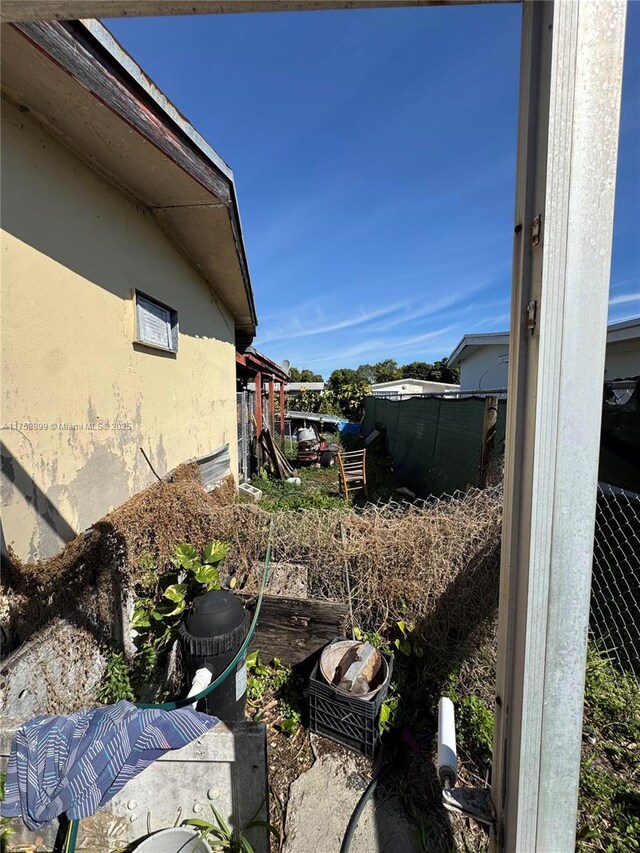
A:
(571, 76)
(282, 425)
(258, 381)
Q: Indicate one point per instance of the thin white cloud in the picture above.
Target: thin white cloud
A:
(492, 321)
(625, 297)
(312, 329)
(382, 348)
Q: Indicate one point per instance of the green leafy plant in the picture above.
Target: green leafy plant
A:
(274, 680)
(5, 822)
(609, 799)
(117, 682)
(172, 592)
(221, 835)
(374, 637)
(408, 642)
(162, 598)
(388, 712)
(205, 565)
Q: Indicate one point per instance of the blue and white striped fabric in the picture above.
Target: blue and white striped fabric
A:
(76, 764)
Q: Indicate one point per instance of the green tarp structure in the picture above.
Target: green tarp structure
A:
(435, 443)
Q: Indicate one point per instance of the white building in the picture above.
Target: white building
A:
(484, 359)
(411, 387)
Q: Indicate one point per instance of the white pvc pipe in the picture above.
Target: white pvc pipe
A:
(201, 679)
(447, 754)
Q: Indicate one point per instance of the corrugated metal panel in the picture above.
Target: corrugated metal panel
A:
(214, 467)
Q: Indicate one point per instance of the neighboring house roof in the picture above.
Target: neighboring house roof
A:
(380, 386)
(627, 330)
(77, 81)
(305, 386)
(624, 331)
(471, 343)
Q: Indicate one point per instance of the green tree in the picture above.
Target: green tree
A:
(304, 375)
(341, 377)
(310, 376)
(439, 371)
(417, 370)
(367, 372)
(387, 370)
(348, 390)
(446, 373)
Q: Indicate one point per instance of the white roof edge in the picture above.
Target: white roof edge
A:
(476, 341)
(409, 379)
(503, 338)
(120, 55)
(631, 323)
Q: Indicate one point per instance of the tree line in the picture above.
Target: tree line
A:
(347, 388)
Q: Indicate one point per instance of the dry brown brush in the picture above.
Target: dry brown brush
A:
(84, 582)
(433, 565)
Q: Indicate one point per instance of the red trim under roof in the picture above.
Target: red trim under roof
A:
(255, 362)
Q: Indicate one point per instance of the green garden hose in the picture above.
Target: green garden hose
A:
(72, 832)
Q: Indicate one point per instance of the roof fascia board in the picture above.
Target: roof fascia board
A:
(126, 61)
(259, 363)
(468, 341)
(87, 55)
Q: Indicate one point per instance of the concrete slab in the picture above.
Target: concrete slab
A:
(320, 805)
(57, 671)
(226, 767)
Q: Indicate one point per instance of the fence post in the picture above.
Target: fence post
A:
(282, 425)
(488, 437)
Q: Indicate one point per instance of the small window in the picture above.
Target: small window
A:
(156, 324)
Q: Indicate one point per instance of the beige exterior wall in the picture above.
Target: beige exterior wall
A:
(73, 249)
(622, 360)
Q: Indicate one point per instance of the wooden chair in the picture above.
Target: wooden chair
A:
(353, 472)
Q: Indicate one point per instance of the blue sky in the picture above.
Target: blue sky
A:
(374, 157)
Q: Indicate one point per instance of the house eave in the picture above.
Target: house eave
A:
(86, 91)
(470, 343)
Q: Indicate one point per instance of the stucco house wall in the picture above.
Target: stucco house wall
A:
(486, 368)
(622, 360)
(79, 397)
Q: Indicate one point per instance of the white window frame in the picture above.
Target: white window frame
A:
(171, 323)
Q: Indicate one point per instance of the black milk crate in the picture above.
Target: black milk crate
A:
(348, 720)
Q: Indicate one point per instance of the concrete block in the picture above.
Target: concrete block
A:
(250, 492)
(57, 671)
(226, 767)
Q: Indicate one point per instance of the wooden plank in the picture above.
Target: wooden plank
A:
(293, 629)
(488, 437)
(267, 444)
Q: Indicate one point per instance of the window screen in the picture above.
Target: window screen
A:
(157, 324)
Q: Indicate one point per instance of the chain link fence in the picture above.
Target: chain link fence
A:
(615, 585)
(245, 407)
